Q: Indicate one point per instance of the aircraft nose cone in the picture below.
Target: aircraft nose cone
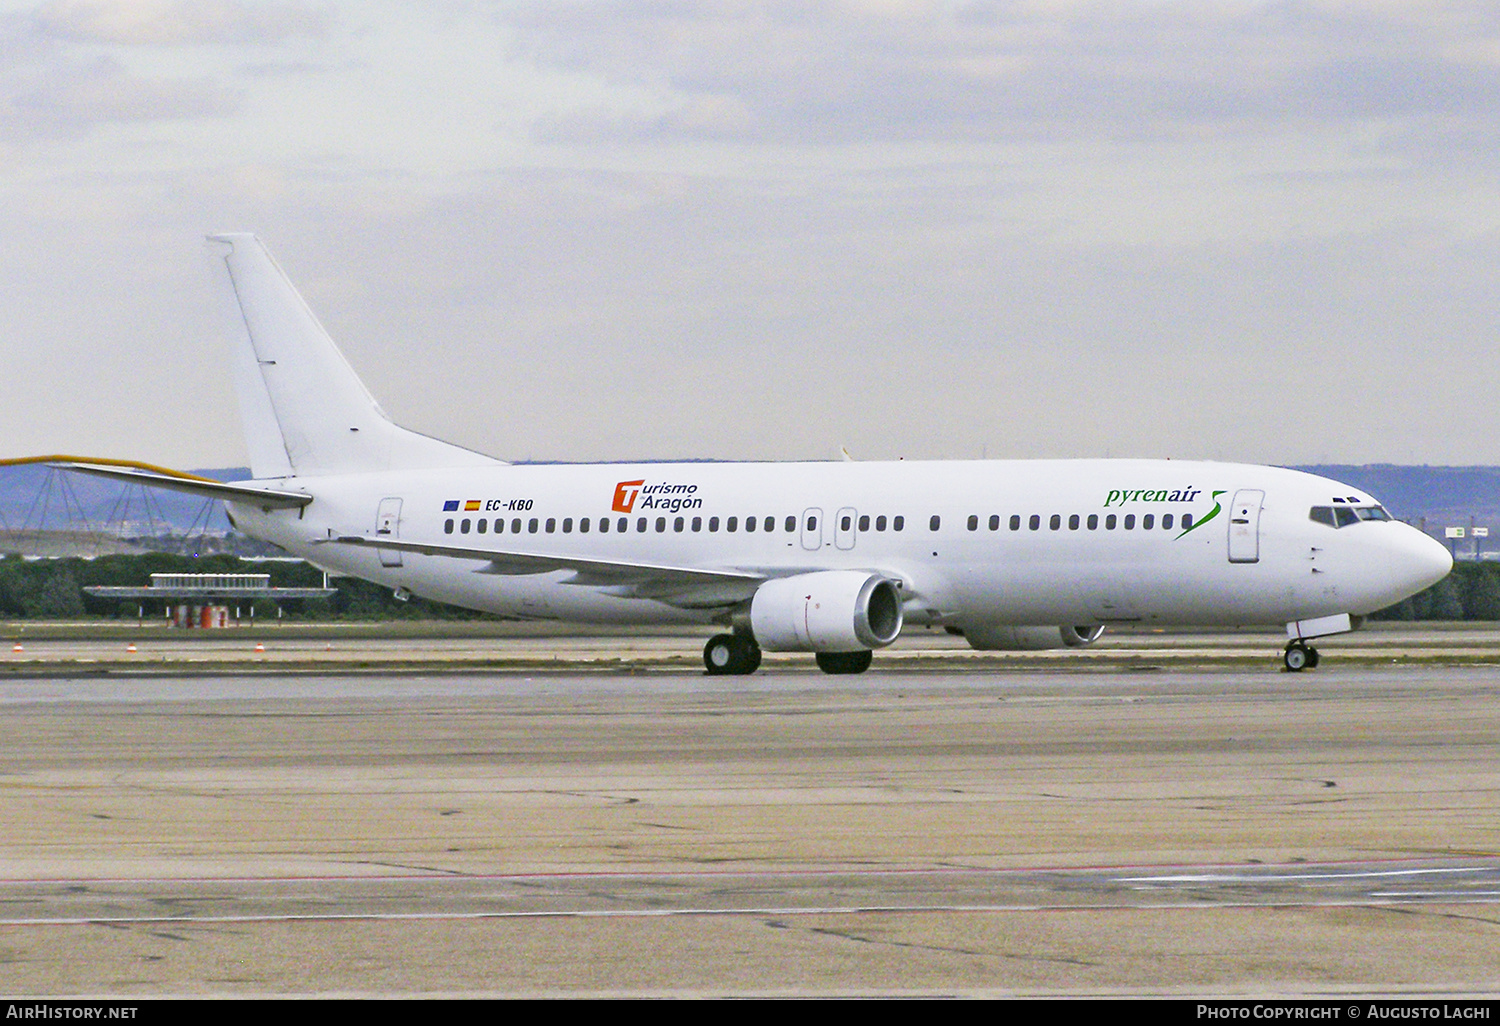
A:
(1420, 561)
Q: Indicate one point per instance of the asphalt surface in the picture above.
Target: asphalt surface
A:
(1085, 828)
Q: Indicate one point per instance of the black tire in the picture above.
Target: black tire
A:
(845, 662)
(1312, 658)
(731, 654)
(1296, 659)
(718, 654)
(749, 654)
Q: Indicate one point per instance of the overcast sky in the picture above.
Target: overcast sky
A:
(610, 230)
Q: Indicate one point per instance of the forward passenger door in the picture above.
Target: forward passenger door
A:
(1244, 526)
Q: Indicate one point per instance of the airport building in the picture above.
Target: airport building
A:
(205, 600)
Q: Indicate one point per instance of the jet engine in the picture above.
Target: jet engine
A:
(1003, 637)
(828, 611)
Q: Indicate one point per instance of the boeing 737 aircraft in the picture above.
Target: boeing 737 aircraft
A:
(828, 558)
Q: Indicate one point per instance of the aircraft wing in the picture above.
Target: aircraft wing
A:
(687, 587)
(267, 498)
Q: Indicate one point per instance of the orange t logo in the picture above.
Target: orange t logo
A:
(625, 493)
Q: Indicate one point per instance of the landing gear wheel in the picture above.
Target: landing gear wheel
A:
(731, 654)
(1298, 657)
(845, 662)
(1312, 658)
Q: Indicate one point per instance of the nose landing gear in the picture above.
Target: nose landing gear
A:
(1299, 656)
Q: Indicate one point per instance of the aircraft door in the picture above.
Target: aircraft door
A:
(843, 527)
(1244, 526)
(812, 529)
(388, 524)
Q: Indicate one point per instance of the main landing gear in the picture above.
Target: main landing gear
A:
(731, 654)
(739, 654)
(845, 662)
(1299, 656)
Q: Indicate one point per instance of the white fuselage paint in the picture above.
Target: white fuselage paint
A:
(1302, 569)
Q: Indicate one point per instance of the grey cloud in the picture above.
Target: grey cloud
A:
(177, 22)
(840, 71)
(78, 95)
(46, 91)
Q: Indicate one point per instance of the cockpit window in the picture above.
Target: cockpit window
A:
(1343, 516)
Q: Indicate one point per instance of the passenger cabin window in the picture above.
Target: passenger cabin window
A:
(1054, 522)
(880, 523)
(1035, 522)
(1130, 521)
(483, 525)
(898, 524)
(463, 528)
(750, 523)
(1109, 522)
(1148, 521)
(447, 527)
(770, 524)
(1166, 522)
(1073, 522)
(791, 524)
(973, 523)
(845, 523)
(551, 525)
(640, 525)
(934, 523)
(732, 524)
(1093, 521)
(567, 525)
(499, 525)
(515, 526)
(603, 525)
(583, 526)
(995, 522)
(864, 522)
(677, 525)
(661, 525)
(1015, 522)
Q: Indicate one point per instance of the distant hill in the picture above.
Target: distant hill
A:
(1442, 496)
(36, 498)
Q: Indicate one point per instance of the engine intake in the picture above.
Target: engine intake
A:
(828, 611)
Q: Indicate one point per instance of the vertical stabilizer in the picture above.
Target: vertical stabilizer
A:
(305, 412)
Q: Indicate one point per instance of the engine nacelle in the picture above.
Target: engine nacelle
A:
(828, 611)
(1004, 637)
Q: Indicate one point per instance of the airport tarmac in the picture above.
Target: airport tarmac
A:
(1079, 828)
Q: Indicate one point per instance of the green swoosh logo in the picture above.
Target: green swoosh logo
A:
(1211, 514)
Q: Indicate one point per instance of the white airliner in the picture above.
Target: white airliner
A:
(829, 558)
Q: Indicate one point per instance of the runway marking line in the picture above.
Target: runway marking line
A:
(1249, 871)
(834, 910)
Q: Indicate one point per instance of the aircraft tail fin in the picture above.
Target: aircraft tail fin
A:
(304, 410)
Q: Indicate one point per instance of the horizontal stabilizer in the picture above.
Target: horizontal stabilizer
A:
(265, 498)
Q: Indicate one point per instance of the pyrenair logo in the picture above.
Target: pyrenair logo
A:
(1120, 496)
(666, 497)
